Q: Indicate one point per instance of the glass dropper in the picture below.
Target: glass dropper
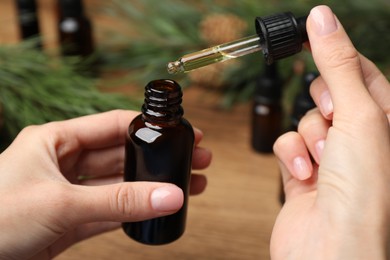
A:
(278, 36)
(215, 54)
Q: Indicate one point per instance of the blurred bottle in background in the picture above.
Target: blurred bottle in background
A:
(267, 110)
(303, 102)
(28, 20)
(75, 30)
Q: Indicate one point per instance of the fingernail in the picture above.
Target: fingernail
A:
(324, 20)
(301, 168)
(320, 148)
(326, 104)
(167, 198)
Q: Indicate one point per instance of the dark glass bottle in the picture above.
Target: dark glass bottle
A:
(28, 20)
(267, 110)
(75, 30)
(303, 102)
(159, 147)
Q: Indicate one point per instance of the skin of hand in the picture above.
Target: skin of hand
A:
(46, 206)
(337, 203)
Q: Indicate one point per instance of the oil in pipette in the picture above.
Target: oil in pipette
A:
(278, 36)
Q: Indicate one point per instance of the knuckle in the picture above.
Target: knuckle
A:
(31, 134)
(317, 86)
(122, 200)
(343, 56)
(310, 121)
(44, 130)
(29, 130)
(283, 141)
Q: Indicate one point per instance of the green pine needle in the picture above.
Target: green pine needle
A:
(36, 88)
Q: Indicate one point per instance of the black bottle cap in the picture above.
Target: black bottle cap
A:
(27, 5)
(72, 8)
(281, 35)
(269, 84)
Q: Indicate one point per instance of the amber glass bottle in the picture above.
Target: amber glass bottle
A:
(75, 30)
(28, 20)
(303, 101)
(159, 147)
(267, 110)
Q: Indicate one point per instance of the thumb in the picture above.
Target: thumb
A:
(124, 202)
(337, 60)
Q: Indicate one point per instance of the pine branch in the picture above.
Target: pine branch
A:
(36, 88)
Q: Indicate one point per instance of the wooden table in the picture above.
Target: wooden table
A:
(233, 218)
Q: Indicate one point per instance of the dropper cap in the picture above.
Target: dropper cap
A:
(281, 35)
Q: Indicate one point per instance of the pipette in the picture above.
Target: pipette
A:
(278, 36)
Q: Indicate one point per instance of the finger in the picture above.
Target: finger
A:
(123, 202)
(91, 132)
(321, 96)
(291, 150)
(100, 162)
(314, 128)
(378, 85)
(198, 184)
(198, 136)
(376, 82)
(293, 187)
(108, 161)
(106, 180)
(337, 60)
(293, 144)
(201, 158)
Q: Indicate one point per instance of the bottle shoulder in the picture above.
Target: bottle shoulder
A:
(181, 128)
(142, 121)
(186, 123)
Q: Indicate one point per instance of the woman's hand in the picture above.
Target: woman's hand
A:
(59, 185)
(336, 169)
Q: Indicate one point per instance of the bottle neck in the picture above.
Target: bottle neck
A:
(71, 8)
(162, 104)
(27, 6)
(269, 84)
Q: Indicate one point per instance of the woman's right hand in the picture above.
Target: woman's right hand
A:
(337, 207)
